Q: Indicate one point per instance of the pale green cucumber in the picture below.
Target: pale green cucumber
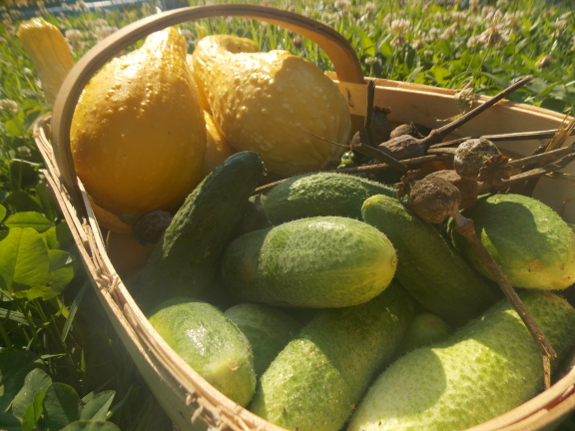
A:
(321, 194)
(316, 262)
(425, 328)
(531, 243)
(429, 268)
(267, 328)
(207, 340)
(485, 369)
(315, 382)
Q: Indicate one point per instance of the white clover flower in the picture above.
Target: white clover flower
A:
(417, 44)
(73, 35)
(502, 3)
(450, 31)
(398, 41)
(2, 40)
(371, 60)
(473, 41)
(9, 105)
(369, 7)
(458, 16)
(399, 27)
(341, 4)
(493, 36)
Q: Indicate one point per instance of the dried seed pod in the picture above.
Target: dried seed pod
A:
(434, 199)
(380, 128)
(151, 227)
(469, 189)
(471, 155)
(411, 129)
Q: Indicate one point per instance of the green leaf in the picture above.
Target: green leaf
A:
(58, 237)
(15, 127)
(22, 201)
(2, 212)
(61, 406)
(14, 366)
(32, 219)
(366, 44)
(44, 197)
(386, 50)
(33, 412)
(36, 381)
(22, 173)
(88, 425)
(98, 405)
(24, 260)
(73, 310)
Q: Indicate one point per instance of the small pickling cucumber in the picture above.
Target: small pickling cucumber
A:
(315, 262)
(486, 368)
(321, 194)
(267, 328)
(429, 268)
(186, 259)
(318, 378)
(207, 340)
(531, 243)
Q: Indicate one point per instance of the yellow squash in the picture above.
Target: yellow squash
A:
(271, 102)
(50, 53)
(217, 147)
(138, 135)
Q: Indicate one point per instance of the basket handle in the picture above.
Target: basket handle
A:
(338, 49)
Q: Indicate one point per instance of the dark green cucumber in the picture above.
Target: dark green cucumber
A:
(186, 259)
(428, 266)
(321, 194)
(267, 328)
(318, 378)
(208, 341)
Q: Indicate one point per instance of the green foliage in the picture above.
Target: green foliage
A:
(55, 339)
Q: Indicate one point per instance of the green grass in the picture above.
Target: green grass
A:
(417, 42)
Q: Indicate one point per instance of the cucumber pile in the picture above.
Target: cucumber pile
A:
(327, 304)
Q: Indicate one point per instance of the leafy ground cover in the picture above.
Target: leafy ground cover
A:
(56, 341)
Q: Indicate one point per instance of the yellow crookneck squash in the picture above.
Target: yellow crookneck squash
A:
(273, 103)
(50, 53)
(138, 135)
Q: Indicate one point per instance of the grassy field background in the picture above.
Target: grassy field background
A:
(484, 45)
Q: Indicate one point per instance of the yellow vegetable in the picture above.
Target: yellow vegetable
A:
(138, 135)
(217, 147)
(50, 53)
(273, 103)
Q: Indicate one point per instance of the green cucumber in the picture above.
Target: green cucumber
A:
(316, 262)
(429, 268)
(321, 194)
(531, 243)
(206, 339)
(267, 328)
(315, 382)
(185, 261)
(485, 369)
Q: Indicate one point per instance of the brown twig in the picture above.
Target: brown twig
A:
(466, 229)
(517, 136)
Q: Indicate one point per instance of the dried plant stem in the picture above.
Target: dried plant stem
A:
(537, 172)
(518, 136)
(466, 229)
(437, 135)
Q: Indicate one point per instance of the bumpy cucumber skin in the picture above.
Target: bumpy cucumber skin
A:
(429, 268)
(321, 194)
(485, 369)
(315, 382)
(267, 328)
(316, 262)
(210, 343)
(531, 243)
(186, 260)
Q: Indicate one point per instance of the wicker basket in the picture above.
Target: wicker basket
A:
(188, 399)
